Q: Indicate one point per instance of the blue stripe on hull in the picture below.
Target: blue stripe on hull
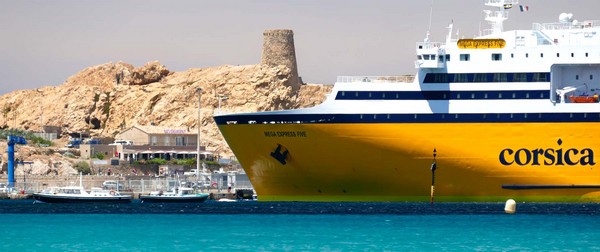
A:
(407, 118)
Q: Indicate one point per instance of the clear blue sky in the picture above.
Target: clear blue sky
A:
(45, 42)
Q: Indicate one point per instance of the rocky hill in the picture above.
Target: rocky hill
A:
(111, 97)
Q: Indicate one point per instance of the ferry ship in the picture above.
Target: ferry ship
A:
(505, 115)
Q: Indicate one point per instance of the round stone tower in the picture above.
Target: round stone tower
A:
(278, 49)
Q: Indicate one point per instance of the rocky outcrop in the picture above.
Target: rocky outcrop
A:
(111, 97)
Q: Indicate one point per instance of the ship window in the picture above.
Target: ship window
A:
(388, 116)
(447, 57)
(527, 55)
(356, 94)
(539, 77)
(361, 116)
(525, 115)
(511, 116)
(397, 95)
(465, 57)
(514, 96)
(480, 77)
(426, 56)
(541, 55)
(496, 56)
(432, 57)
(527, 95)
(557, 55)
(577, 77)
(419, 57)
(472, 95)
(499, 95)
(441, 58)
(485, 96)
(542, 95)
(512, 55)
(383, 95)
(484, 116)
(520, 77)
(456, 116)
(343, 93)
(370, 95)
(500, 77)
(572, 55)
(415, 116)
(374, 116)
(461, 78)
(445, 96)
(458, 96)
(586, 54)
(591, 77)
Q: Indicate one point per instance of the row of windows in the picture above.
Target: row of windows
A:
(485, 77)
(467, 57)
(441, 95)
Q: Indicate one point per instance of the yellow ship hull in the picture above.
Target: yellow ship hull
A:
(391, 162)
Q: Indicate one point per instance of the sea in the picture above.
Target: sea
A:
(26, 225)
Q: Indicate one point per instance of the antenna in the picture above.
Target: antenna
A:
(430, 17)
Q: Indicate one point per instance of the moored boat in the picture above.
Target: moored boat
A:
(77, 194)
(178, 195)
(492, 113)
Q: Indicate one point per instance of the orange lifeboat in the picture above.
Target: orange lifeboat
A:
(583, 99)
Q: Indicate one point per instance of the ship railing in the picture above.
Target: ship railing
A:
(429, 45)
(501, 2)
(566, 26)
(376, 79)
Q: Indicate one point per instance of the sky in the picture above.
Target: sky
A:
(42, 43)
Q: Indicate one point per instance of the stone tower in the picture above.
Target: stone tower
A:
(278, 49)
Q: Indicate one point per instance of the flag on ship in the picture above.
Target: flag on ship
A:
(524, 8)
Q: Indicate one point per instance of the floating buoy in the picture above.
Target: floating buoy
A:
(510, 207)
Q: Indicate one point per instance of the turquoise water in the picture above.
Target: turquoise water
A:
(47, 227)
